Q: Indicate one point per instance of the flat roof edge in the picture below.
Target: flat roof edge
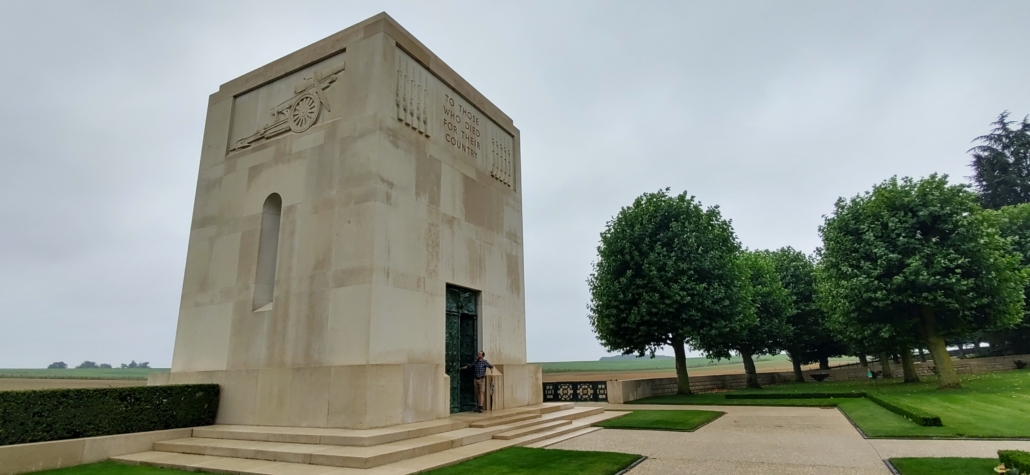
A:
(337, 42)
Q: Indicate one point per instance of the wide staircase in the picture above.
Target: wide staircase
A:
(396, 450)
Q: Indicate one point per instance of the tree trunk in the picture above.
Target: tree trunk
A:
(961, 350)
(824, 363)
(896, 358)
(979, 349)
(908, 365)
(795, 359)
(750, 370)
(863, 361)
(682, 378)
(947, 378)
(885, 365)
(922, 356)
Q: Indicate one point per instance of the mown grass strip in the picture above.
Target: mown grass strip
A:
(919, 416)
(813, 395)
(944, 465)
(527, 461)
(683, 421)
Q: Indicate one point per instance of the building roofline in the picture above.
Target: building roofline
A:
(335, 43)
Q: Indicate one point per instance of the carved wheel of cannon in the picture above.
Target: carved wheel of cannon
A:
(304, 112)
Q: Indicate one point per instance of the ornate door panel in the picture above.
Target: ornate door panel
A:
(461, 345)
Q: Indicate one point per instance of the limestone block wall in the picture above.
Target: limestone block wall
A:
(388, 177)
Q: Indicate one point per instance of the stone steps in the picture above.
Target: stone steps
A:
(408, 456)
(505, 420)
(517, 433)
(561, 438)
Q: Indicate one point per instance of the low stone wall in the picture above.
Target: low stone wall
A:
(23, 458)
(632, 389)
(962, 366)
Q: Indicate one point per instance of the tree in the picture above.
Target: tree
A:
(667, 274)
(1001, 163)
(144, 364)
(87, 365)
(105, 366)
(1014, 224)
(810, 340)
(768, 331)
(58, 365)
(923, 255)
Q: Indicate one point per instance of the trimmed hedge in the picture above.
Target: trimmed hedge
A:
(58, 414)
(815, 395)
(912, 413)
(1018, 459)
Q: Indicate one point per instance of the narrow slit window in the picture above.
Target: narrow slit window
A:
(268, 252)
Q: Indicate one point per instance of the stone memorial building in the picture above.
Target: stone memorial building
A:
(356, 237)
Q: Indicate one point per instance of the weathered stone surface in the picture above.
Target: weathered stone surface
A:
(395, 178)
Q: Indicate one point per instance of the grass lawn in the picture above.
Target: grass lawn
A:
(662, 420)
(989, 405)
(940, 466)
(525, 461)
(111, 468)
(94, 373)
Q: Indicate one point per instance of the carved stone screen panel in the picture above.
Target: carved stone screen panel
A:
(435, 111)
(595, 391)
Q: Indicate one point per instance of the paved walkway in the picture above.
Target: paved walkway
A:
(752, 440)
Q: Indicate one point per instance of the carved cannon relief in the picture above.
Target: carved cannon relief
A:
(299, 112)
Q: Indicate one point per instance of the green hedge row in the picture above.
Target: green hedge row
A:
(57, 414)
(1018, 459)
(815, 395)
(912, 413)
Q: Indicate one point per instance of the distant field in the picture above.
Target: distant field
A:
(134, 373)
(669, 364)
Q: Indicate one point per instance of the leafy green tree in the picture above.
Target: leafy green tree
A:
(667, 274)
(1014, 224)
(58, 365)
(105, 366)
(923, 255)
(1001, 163)
(768, 332)
(807, 320)
(87, 365)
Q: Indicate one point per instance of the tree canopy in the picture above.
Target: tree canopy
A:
(1001, 163)
(667, 273)
(810, 339)
(920, 254)
(770, 304)
(1014, 224)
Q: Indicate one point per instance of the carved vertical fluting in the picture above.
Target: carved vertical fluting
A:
(417, 122)
(400, 90)
(426, 108)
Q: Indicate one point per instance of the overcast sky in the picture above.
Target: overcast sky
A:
(770, 110)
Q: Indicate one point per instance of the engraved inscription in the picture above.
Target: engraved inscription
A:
(461, 127)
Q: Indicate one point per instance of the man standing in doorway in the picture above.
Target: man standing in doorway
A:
(479, 377)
